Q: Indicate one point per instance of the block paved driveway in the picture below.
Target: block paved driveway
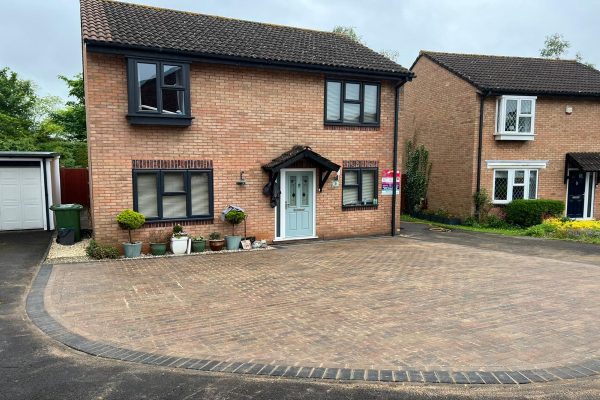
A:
(378, 303)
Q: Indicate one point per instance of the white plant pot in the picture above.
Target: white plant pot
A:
(179, 245)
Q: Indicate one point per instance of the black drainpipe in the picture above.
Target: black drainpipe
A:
(480, 144)
(395, 155)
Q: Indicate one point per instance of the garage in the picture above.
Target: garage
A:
(29, 184)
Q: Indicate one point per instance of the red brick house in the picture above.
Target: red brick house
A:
(189, 113)
(517, 127)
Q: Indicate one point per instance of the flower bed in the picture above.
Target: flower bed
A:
(561, 228)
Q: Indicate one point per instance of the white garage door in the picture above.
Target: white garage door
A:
(21, 205)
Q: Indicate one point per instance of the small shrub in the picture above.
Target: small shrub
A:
(528, 213)
(493, 221)
(235, 217)
(158, 237)
(483, 204)
(177, 230)
(214, 236)
(130, 220)
(99, 251)
(471, 221)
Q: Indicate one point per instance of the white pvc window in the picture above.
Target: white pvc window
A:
(514, 184)
(516, 114)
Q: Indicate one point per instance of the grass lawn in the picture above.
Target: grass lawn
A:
(499, 231)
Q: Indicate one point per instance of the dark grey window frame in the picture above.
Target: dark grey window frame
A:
(187, 191)
(137, 117)
(360, 102)
(360, 170)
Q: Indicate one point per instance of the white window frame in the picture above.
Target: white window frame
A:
(511, 184)
(501, 115)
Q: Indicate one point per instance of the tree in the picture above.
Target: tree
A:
(557, 47)
(17, 96)
(72, 117)
(348, 31)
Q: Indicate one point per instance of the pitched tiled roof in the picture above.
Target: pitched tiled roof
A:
(521, 75)
(121, 24)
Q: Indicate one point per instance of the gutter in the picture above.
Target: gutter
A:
(395, 154)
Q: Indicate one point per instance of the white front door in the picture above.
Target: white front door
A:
(21, 204)
(298, 203)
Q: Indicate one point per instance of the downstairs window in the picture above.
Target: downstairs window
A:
(173, 194)
(514, 184)
(359, 187)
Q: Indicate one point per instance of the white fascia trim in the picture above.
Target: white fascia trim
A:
(527, 164)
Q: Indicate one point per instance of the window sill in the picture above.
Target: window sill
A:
(514, 136)
(183, 221)
(346, 124)
(358, 208)
(163, 120)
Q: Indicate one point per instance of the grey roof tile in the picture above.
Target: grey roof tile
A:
(521, 75)
(124, 24)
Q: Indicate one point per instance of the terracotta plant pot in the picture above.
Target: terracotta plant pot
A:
(216, 245)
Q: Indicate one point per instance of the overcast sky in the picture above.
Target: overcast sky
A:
(40, 39)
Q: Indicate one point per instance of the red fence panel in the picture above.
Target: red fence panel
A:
(74, 186)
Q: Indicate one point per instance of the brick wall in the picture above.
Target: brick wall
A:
(441, 111)
(243, 118)
(556, 133)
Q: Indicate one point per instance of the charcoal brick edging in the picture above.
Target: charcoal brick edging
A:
(46, 323)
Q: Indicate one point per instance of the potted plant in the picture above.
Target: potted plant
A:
(234, 217)
(198, 244)
(158, 243)
(215, 242)
(131, 220)
(179, 240)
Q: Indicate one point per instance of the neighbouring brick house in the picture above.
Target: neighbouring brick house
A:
(189, 113)
(517, 127)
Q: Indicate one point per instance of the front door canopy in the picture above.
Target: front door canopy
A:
(291, 157)
(588, 162)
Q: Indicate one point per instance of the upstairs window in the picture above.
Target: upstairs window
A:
(359, 187)
(516, 115)
(159, 92)
(351, 103)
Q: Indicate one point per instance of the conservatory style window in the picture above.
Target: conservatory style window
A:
(514, 184)
(515, 118)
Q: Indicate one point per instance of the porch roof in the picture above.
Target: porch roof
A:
(298, 153)
(588, 162)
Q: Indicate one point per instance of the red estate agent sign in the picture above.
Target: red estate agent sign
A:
(387, 182)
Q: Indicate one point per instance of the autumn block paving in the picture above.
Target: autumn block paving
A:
(388, 309)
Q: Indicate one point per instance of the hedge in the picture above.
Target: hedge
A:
(528, 213)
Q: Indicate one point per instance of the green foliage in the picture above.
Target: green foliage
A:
(130, 220)
(348, 31)
(214, 236)
(393, 55)
(198, 239)
(32, 123)
(541, 230)
(177, 230)
(235, 217)
(418, 171)
(556, 47)
(483, 204)
(17, 96)
(72, 117)
(528, 213)
(99, 251)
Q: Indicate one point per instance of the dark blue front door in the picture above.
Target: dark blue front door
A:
(576, 194)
